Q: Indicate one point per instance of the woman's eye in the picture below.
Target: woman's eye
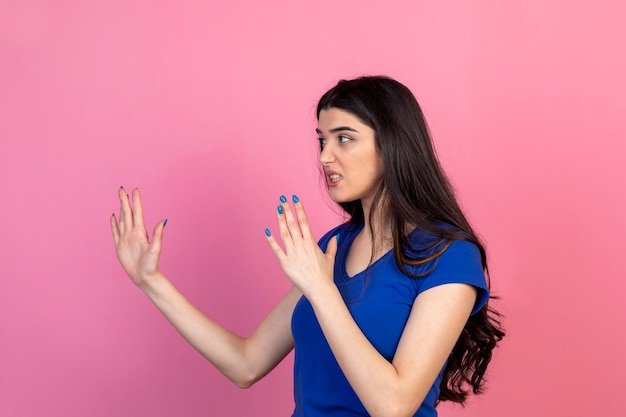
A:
(343, 139)
(322, 142)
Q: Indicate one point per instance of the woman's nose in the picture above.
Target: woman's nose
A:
(326, 155)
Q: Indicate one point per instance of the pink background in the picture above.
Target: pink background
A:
(208, 107)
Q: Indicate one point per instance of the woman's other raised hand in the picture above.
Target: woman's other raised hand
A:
(137, 254)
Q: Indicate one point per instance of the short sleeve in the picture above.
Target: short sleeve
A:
(460, 263)
(323, 242)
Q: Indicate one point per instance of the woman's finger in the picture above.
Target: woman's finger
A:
(115, 229)
(137, 209)
(283, 229)
(303, 219)
(157, 237)
(278, 251)
(126, 213)
(331, 248)
(291, 221)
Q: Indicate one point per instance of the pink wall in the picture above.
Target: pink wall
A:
(208, 108)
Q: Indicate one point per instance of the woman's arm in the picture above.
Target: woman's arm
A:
(242, 360)
(397, 388)
(437, 318)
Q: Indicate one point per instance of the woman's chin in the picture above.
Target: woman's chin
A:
(339, 199)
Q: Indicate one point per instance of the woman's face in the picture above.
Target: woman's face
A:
(353, 166)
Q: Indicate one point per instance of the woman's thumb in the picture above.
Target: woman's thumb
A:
(331, 248)
(157, 236)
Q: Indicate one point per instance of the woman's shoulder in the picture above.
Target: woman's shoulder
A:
(453, 251)
(343, 229)
(459, 262)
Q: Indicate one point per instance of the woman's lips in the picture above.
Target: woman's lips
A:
(333, 178)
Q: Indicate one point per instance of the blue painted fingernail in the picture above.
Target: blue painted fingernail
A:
(280, 209)
(283, 199)
(165, 223)
(121, 187)
(268, 233)
(337, 236)
(295, 198)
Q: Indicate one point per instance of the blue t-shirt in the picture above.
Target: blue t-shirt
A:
(380, 301)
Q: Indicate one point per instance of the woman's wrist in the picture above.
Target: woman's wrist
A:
(323, 293)
(151, 284)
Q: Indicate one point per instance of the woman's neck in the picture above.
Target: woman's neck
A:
(377, 227)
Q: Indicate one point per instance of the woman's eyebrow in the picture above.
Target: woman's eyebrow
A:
(338, 129)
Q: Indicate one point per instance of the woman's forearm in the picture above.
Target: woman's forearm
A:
(375, 380)
(397, 388)
(242, 360)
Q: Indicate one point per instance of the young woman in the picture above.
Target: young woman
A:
(389, 311)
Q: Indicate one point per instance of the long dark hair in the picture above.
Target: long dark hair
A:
(416, 192)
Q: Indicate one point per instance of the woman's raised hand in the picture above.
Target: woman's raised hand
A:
(139, 257)
(302, 260)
